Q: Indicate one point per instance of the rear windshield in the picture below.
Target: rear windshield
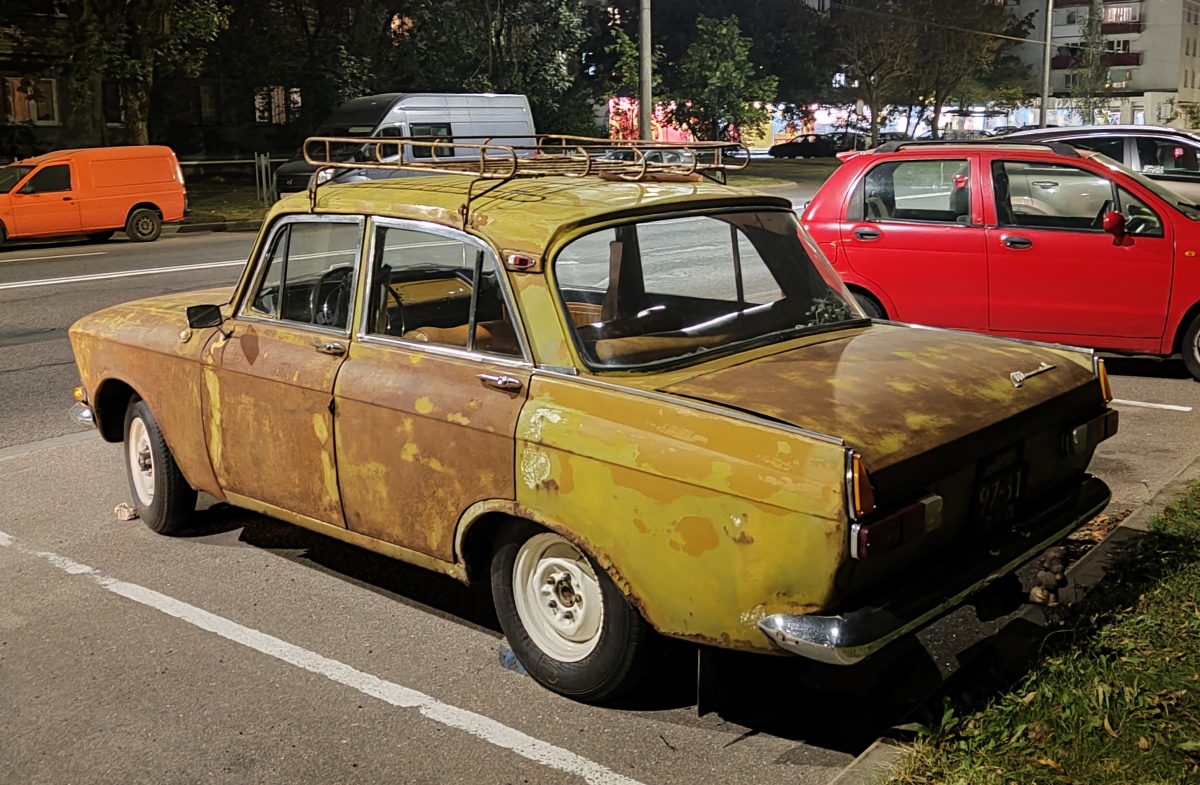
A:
(679, 290)
(11, 175)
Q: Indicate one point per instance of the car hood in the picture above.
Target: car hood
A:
(894, 392)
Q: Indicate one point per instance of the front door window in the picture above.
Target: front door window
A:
(308, 276)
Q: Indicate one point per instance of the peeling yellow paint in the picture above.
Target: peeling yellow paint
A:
(424, 405)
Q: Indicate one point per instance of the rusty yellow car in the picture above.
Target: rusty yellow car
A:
(636, 401)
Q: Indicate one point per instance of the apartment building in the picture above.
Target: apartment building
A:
(1152, 51)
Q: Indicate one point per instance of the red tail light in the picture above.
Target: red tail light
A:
(873, 539)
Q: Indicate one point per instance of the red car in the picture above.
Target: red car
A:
(1035, 241)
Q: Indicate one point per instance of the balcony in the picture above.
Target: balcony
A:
(1122, 28)
(1066, 3)
(1110, 59)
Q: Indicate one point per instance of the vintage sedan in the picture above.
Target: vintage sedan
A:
(637, 405)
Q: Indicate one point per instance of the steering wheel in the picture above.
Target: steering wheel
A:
(329, 302)
(393, 318)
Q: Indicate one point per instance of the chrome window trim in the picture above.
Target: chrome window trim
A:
(450, 233)
(691, 403)
(442, 350)
(242, 311)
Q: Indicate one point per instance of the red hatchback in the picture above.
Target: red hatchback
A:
(1035, 241)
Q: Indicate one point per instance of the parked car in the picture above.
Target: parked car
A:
(804, 146)
(93, 191)
(1168, 155)
(678, 155)
(1031, 241)
(630, 407)
(846, 141)
(500, 119)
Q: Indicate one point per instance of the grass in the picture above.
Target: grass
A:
(214, 202)
(1115, 695)
(768, 173)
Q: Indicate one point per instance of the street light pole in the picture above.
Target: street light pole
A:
(646, 94)
(1046, 64)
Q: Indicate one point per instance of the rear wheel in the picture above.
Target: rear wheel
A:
(870, 305)
(1190, 350)
(163, 498)
(564, 617)
(144, 225)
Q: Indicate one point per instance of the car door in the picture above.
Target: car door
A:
(913, 236)
(45, 203)
(1055, 274)
(427, 402)
(270, 377)
(1174, 162)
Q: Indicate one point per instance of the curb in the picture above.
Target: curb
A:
(223, 226)
(874, 766)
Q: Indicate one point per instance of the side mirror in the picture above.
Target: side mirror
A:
(1114, 224)
(201, 317)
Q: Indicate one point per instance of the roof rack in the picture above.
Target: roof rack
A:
(1061, 148)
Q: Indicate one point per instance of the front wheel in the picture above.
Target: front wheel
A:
(144, 225)
(564, 617)
(1190, 350)
(163, 498)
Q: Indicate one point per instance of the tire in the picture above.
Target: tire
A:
(144, 225)
(3, 236)
(1189, 350)
(579, 638)
(100, 237)
(870, 305)
(163, 498)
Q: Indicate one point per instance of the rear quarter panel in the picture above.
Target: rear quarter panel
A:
(115, 185)
(706, 523)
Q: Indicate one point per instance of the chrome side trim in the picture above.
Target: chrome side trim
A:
(691, 403)
(446, 351)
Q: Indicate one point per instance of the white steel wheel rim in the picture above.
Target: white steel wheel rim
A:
(558, 597)
(141, 461)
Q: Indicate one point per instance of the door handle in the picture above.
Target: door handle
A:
(866, 234)
(1018, 243)
(66, 198)
(506, 383)
(331, 347)
(1044, 184)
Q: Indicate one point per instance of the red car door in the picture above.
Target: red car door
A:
(913, 236)
(1055, 274)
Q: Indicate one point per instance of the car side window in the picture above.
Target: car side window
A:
(1050, 196)
(432, 132)
(1140, 219)
(1114, 148)
(1166, 156)
(49, 179)
(308, 274)
(431, 288)
(937, 190)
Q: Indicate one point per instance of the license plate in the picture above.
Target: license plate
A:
(998, 498)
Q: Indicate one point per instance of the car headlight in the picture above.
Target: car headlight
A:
(324, 176)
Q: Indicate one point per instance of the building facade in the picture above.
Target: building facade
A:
(1152, 53)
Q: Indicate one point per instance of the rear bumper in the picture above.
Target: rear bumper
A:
(854, 635)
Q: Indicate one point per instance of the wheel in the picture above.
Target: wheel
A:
(870, 305)
(565, 619)
(144, 225)
(100, 237)
(3, 236)
(1190, 348)
(164, 500)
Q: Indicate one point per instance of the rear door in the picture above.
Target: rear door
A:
(913, 235)
(1055, 274)
(1174, 162)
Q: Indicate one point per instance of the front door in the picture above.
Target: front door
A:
(45, 204)
(914, 234)
(1055, 274)
(428, 400)
(269, 384)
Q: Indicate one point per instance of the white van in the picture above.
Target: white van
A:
(469, 117)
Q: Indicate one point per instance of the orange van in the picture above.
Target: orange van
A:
(93, 191)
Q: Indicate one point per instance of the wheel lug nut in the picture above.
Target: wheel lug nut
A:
(553, 604)
(568, 615)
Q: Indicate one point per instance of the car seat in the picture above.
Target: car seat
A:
(1004, 210)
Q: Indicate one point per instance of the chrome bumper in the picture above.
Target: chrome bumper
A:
(83, 413)
(854, 635)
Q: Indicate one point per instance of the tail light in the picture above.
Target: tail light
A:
(872, 540)
(860, 498)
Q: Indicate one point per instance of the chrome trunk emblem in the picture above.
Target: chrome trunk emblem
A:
(1018, 378)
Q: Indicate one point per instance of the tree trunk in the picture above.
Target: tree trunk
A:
(137, 111)
(939, 103)
(872, 99)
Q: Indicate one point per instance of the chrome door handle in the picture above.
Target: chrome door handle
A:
(1046, 184)
(506, 383)
(332, 347)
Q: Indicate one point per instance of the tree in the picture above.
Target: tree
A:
(1091, 89)
(877, 43)
(719, 89)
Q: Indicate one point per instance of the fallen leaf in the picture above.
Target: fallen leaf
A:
(1051, 763)
(1028, 699)
(1142, 743)
(1039, 732)
(1108, 727)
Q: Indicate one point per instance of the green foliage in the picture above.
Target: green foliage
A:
(626, 74)
(719, 89)
(1091, 91)
(1114, 699)
(877, 41)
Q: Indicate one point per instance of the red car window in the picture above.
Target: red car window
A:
(935, 190)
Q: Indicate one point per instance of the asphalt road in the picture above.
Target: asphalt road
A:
(256, 652)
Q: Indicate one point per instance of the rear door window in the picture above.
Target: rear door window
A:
(1050, 196)
(931, 190)
(1167, 156)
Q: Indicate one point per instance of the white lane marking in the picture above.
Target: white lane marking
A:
(3, 260)
(1143, 405)
(121, 274)
(477, 725)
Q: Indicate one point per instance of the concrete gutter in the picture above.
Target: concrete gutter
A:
(219, 226)
(876, 764)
